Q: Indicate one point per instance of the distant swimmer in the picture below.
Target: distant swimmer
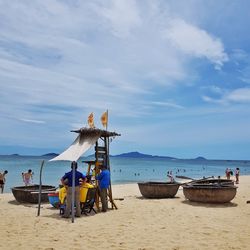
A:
(3, 180)
(170, 176)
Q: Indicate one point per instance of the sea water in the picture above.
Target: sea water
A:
(123, 169)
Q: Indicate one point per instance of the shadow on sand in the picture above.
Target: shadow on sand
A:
(57, 216)
(16, 203)
(217, 205)
(143, 198)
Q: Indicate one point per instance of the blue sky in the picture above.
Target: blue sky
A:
(174, 75)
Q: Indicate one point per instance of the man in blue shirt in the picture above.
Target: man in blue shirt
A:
(104, 182)
(67, 180)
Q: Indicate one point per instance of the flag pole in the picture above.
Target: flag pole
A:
(107, 119)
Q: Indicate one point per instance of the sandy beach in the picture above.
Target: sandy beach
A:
(137, 224)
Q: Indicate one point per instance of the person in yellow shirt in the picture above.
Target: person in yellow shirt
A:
(62, 194)
(84, 190)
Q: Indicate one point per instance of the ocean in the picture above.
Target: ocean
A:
(123, 169)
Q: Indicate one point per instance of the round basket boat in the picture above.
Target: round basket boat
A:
(215, 181)
(158, 190)
(29, 194)
(209, 193)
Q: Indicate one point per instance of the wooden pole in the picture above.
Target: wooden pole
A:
(97, 200)
(106, 141)
(40, 189)
(73, 192)
(110, 185)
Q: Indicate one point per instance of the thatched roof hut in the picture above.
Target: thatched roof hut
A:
(95, 131)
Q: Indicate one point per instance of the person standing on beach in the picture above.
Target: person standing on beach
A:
(27, 177)
(237, 174)
(228, 173)
(104, 182)
(67, 180)
(3, 180)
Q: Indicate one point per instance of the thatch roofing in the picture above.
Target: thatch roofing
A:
(95, 131)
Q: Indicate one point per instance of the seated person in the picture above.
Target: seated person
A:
(62, 194)
(85, 185)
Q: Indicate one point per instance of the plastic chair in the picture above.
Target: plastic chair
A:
(88, 205)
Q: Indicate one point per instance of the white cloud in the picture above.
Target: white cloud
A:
(61, 60)
(239, 55)
(212, 100)
(239, 95)
(89, 59)
(122, 23)
(196, 42)
(32, 121)
(167, 104)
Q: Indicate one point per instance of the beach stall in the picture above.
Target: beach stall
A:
(88, 137)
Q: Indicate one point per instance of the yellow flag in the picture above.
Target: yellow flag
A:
(91, 120)
(104, 119)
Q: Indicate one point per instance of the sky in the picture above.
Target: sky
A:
(173, 75)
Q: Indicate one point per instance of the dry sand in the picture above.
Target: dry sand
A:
(137, 224)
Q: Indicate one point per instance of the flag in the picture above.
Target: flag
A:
(104, 119)
(91, 120)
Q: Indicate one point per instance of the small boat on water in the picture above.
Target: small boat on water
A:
(158, 190)
(209, 193)
(29, 194)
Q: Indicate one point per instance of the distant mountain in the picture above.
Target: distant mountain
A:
(51, 155)
(134, 154)
(200, 158)
(140, 155)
